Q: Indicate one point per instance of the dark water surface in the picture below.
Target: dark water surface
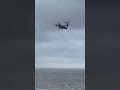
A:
(59, 79)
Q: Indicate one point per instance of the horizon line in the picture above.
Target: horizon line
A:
(58, 68)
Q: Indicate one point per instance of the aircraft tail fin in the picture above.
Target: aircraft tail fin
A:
(67, 23)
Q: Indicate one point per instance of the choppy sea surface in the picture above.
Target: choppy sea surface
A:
(59, 79)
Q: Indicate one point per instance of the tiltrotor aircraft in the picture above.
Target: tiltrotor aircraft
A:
(63, 26)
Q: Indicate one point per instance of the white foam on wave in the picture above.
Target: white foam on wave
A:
(41, 89)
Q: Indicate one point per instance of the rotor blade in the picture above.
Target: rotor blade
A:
(67, 22)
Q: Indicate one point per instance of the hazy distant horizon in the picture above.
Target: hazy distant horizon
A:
(58, 68)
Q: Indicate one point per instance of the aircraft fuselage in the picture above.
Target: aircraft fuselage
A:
(62, 27)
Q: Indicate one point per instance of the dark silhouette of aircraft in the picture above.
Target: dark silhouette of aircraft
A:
(63, 26)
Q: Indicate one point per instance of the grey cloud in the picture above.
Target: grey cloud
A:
(54, 47)
(50, 12)
(73, 49)
(60, 35)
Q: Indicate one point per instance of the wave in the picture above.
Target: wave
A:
(41, 89)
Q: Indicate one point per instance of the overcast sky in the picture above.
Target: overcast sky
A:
(55, 48)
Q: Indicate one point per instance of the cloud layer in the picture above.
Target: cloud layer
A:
(56, 48)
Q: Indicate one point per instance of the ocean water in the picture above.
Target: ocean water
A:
(59, 79)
